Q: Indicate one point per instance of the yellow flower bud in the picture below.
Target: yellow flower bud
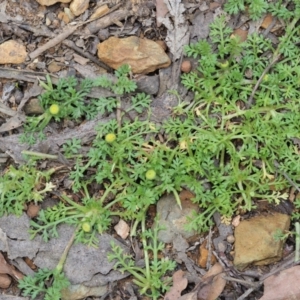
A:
(150, 174)
(54, 109)
(110, 138)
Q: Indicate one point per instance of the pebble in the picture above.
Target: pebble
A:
(12, 53)
(51, 2)
(143, 55)
(78, 7)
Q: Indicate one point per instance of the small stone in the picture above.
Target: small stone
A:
(48, 21)
(5, 281)
(100, 11)
(175, 219)
(33, 107)
(12, 53)
(230, 239)
(255, 242)
(33, 210)
(51, 2)
(186, 66)
(78, 7)
(143, 55)
(54, 67)
(64, 17)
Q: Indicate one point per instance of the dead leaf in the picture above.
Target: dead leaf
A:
(14, 122)
(5, 268)
(236, 221)
(283, 286)
(122, 229)
(212, 283)
(240, 34)
(189, 296)
(178, 29)
(179, 284)
(161, 11)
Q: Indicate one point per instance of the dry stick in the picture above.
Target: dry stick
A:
(266, 70)
(72, 45)
(277, 165)
(61, 37)
(287, 263)
(53, 42)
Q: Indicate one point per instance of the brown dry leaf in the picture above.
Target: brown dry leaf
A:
(240, 34)
(236, 221)
(122, 229)
(161, 11)
(189, 296)
(212, 283)
(5, 268)
(283, 286)
(179, 284)
(267, 21)
(177, 28)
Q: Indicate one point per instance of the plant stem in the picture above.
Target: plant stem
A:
(63, 257)
(39, 154)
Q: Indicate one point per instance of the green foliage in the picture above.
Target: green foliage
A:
(71, 147)
(257, 8)
(238, 148)
(33, 286)
(21, 186)
(70, 96)
(73, 214)
(151, 279)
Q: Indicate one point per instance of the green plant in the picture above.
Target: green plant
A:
(68, 100)
(257, 8)
(85, 216)
(151, 279)
(48, 282)
(21, 186)
(242, 123)
(71, 147)
(33, 286)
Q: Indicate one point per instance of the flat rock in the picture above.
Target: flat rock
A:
(174, 219)
(12, 53)
(51, 2)
(78, 7)
(143, 55)
(254, 240)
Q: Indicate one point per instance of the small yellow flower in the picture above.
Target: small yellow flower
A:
(54, 109)
(266, 78)
(110, 138)
(224, 65)
(86, 227)
(150, 174)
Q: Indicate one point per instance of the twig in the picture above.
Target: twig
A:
(61, 37)
(253, 285)
(266, 70)
(246, 294)
(277, 165)
(72, 45)
(39, 154)
(53, 42)
(208, 263)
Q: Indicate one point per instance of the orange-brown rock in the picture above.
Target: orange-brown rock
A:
(12, 53)
(51, 2)
(143, 55)
(78, 7)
